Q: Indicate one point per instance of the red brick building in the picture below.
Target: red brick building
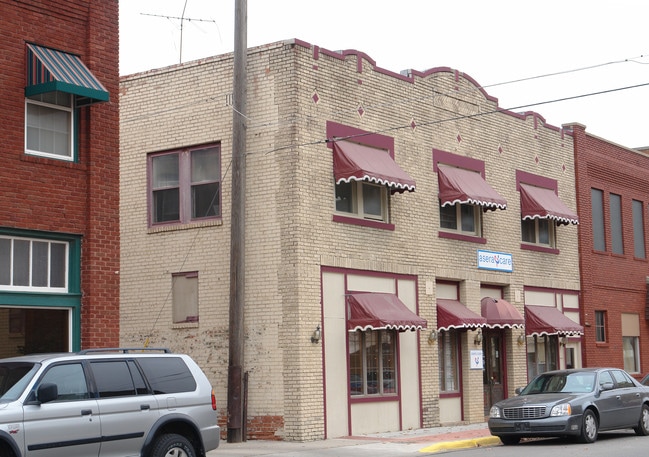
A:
(612, 198)
(59, 181)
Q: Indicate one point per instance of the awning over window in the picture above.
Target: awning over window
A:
(542, 203)
(377, 311)
(458, 185)
(49, 70)
(453, 314)
(501, 314)
(548, 320)
(356, 162)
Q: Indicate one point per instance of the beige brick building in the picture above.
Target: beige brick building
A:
(420, 296)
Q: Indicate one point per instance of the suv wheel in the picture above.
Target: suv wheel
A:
(172, 445)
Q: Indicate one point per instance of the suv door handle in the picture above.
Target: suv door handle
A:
(143, 407)
(86, 412)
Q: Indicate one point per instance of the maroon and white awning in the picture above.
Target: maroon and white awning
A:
(459, 185)
(548, 320)
(379, 311)
(454, 314)
(542, 203)
(501, 314)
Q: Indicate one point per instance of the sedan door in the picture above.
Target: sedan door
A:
(630, 399)
(68, 426)
(608, 400)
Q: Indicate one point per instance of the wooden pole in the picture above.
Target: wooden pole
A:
(237, 230)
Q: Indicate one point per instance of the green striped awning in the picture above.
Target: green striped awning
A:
(49, 70)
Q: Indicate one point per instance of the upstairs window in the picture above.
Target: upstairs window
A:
(538, 231)
(600, 326)
(185, 185)
(369, 201)
(461, 217)
(49, 129)
(33, 265)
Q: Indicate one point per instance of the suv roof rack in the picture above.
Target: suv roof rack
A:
(124, 350)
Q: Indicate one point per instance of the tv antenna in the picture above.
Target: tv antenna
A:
(182, 20)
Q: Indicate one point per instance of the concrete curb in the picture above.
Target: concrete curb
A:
(462, 444)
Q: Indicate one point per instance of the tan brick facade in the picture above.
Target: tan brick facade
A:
(294, 90)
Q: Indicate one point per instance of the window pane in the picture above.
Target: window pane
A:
(528, 230)
(388, 363)
(165, 171)
(113, 379)
(40, 263)
(597, 201)
(448, 217)
(372, 200)
(58, 264)
(638, 230)
(184, 297)
(5, 261)
(544, 231)
(600, 329)
(468, 218)
(355, 364)
(345, 197)
(205, 165)
(166, 205)
(448, 369)
(21, 263)
(49, 130)
(205, 200)
(630, 346)
(372, 362)
(616, 224)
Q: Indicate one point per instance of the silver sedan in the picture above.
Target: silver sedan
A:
(575, 403)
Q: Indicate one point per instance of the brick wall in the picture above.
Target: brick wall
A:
(55, 196)
(613, 283)
(294, 89)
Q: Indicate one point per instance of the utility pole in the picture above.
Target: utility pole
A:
(237, 232)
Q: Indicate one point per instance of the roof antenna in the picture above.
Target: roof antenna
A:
(182, 20)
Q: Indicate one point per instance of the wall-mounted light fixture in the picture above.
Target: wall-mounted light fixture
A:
(315, 337)
(478, 338)
(432, 337)
(521, 339)
(563, 341)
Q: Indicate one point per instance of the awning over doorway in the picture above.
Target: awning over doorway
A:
(458, 185)
(454, 314)
(542, 203)
(501, 314)
(548, 320)
(378, 311)
(357, 162)
(50, 70)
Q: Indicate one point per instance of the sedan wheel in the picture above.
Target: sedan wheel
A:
(589, 427)
(643, 425)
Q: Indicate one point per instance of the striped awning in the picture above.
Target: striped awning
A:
(49, 70)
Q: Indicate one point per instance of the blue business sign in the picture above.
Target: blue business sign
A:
(498, 261)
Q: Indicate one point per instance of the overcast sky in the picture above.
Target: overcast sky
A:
(588, 46)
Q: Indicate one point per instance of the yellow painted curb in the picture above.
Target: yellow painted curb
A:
(462, 444)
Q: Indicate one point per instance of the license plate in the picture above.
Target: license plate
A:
(522, 427)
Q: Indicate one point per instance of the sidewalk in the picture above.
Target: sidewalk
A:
(411, 442)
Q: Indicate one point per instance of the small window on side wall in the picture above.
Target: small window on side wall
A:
(600, 326)
(185, 185)
(538, 231)
(185, 297)
(365, 200)
(461, 217)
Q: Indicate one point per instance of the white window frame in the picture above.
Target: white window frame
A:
(477, 219)
(382, 385)
(359, 190)
(32, 267)
(536, 222)
(69, 110)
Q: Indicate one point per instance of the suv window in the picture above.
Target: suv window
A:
(70, 381)
(167, 375)
(14, 378)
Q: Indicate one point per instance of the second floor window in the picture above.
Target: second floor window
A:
(185, 185)
(600, 326)
(49, 128)
(362, 199)
(538, 231)
(460, 217)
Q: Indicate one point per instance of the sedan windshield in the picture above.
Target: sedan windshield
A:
(561, 382)
(14, 377)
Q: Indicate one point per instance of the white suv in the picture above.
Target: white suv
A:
(108, 403)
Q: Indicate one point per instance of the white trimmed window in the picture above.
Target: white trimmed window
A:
(49, 125)
(362, 199)
(33, 265)
(461, 218)
(538, 231)
(372, 363)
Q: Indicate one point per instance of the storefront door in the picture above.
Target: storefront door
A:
(494, 368)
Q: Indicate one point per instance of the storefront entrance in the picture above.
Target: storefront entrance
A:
(34, 330)
(494, 374)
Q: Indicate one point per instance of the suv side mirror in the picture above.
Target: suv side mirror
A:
(47, 392)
